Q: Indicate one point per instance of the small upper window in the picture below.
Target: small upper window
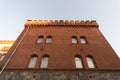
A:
(49, 39)
(78, 62)
(40, 39)
(90, 62)
(2, 57)
(44, 62)
(74, 40)
(33, 61)
(83, 40)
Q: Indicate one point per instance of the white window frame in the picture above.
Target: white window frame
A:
(49, 40)
(2, 57)
(90, 62)
(40, 39)
(78, 62)
(83, 40)
(44, 62)
(32, 62)
(74, 40)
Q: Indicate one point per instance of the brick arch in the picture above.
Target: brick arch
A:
(77, 55)
(89, 55)
(49, 36)
(34, 55)
(74, 36)
(45, 55)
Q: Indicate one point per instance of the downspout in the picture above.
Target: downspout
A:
(14, 51)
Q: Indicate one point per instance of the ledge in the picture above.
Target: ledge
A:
(64, 23)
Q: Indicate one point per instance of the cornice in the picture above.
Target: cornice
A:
(7, 41)
(61, 23)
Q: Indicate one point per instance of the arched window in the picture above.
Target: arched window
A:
(40, 39)
(90, 62)
(78, 62)
(33, 61)
(83, 40)
(74, 40)
(49, 40)
(2, 57)
(44, 62)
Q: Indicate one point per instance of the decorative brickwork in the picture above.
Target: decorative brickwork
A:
(5, 45)
(66, 23)
(7, 41)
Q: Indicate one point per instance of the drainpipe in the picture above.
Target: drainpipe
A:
(13, 51)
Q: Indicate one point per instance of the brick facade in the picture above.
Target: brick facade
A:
(62, 51)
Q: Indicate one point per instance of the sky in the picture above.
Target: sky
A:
(14, 14)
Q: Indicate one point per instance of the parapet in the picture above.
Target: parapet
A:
(7, 41)
(32, 23)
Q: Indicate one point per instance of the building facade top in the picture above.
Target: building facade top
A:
(31, 23)
(7, 41)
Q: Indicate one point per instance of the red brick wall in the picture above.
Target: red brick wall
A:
(61, 52)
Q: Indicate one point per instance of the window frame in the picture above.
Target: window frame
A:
(74, 40)
(83, 40)
(2, 57)
(90, 62)
(78, 63)
(33, 61)
(49, 40)
(40, 40)
(44, 62)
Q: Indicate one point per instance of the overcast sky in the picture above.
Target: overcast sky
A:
(14, 13)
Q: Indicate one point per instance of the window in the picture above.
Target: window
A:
(90, 62)
(33, 61)
(74, 40)
(2, 57)
(78, 62)
(40, 39)
(44, 62)
(49, 39)
(83, 40)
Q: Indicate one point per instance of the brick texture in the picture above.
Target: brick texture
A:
(61, 51)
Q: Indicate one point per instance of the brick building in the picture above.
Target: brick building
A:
(5, 45)
(60, 50)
